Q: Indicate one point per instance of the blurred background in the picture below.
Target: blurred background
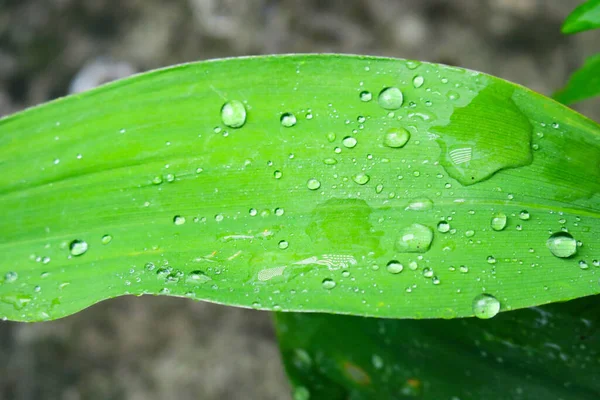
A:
(165, 348)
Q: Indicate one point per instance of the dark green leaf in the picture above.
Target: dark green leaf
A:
(583, 18)
(583, 84)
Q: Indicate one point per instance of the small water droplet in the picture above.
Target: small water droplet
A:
(78, 247)
(485, 306)
(233, 114)
(283, 244)
(427, 272)
(379, 188)
(157, 180)
(219, 217)
(253, 212)
(396, 138)
(422, 204)
(499, 222)
(277, 174)
(390, 98)
(415, 238)
(11, 276)
(443, 226)
(394, 267)
(470, 233)
(106, 239)
(583, 264)
(365, 96)
(349, 142)
(313, 184)
(464, 269)
(288, 120)
(562, 244)
(331, 137)
(418, 81)
(197, 277)
(491, 260)
(279, 211)
(361, 178)
(328, 283)
(178, 220)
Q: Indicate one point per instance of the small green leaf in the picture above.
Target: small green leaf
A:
(329, 183)
(583, 18)
(549, 352)
(583, 84)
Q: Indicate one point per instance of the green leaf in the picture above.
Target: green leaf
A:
(583, 84)
(583, 18)
(549, 352)
(327, 183)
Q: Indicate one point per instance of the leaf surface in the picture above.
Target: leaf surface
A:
(343, 184)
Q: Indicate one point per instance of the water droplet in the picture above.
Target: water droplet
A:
(106, 239)
(524, 215)
(412, 64)
(379, 188)
(470, 233)
(499, 222)
(157, 180)
(491, 260)
(178, 220)
(331, 137)
(313, 184)
(301, 393)
(443, 226)
(396, 138)
(583, 264)
(78, 247)
(277, 174)
(330, 161)
(418, 81)
(394, 267)
(464, 269)
(485, 306)
(562, 244)
(253, 212)
(283, 244)
(328, 283)
(197, 277)
(361, 178)
(288, 120)
(365, 95)
(349, 142)
(415, 238)
(11, 277)
(219, 217)
(279, 211)
(233, 114)
(377, 361)
(422, 204)
(390, 98)
(427, 272)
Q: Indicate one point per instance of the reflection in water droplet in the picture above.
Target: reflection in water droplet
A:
(499, 222)
(313, 184)
(562, 244)
(106, 239)
(443, 226)
(366, 96)
(418, 81)
(288, 120)
(394, 267)
(178, 220)
(361, 178)
(78, 247)
(233, 114)
(328, 283)
(390, 98)
(485, 306)
(396, 137)
(415, 238)
(349, 142)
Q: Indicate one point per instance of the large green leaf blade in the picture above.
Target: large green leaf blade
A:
(583, 84)
(548, 352)
(583, 18)
(171, 201)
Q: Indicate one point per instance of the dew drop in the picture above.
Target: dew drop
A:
(11, 277)
(328, 283)
(415, 238)
(443, 227)
(485, 306)
(524, 215)
(279, 211)
(106, 239)
(427, 272)
(562, 244)
(499, 222)
(361, 178)
(379, 188)
(283, 244)
(394, 267)
(233, 114)
(313, 184)
(365, 96)
(422, 204)
(418, 81)
(390, 98)
(396, 138)
(583, 264)
(349, 142)
(288, 120)
(178, 220)
(277, 174)
(197, 277)
(78, 247)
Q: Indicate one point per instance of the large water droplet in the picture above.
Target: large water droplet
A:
(396, 137)
(394, 267)
(361, 178)
(78, 247)
(328, 283)
(415, 238)
(562, 244)
(443, 227)
(485, 306)
(418, 81)
(349, 142)
(288, 120)
(390, 98)
(233, 114)
(313, 184)
(499, 222)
